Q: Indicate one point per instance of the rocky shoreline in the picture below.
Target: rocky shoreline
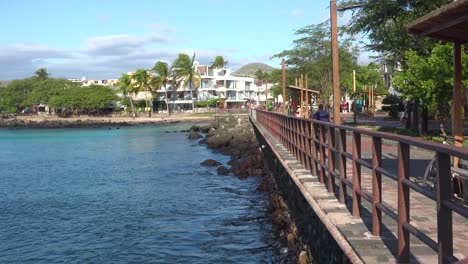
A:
(234, 136)
(94, 122)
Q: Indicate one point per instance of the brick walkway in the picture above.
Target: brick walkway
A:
(357, 231)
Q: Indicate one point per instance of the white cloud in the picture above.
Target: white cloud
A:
(297, 13)
(105, 56)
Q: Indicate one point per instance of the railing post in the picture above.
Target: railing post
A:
(322, 155)
(356, 174)
(314, 148)
(302, 142)
(331, 159)
(342, 164)
(403, 202)
(444, 214)
(376, 185)
(307, 145)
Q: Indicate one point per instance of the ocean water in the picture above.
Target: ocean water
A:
(129, 195)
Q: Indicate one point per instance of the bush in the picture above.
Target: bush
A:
(210, 103)
(391, 100)
(392, 110)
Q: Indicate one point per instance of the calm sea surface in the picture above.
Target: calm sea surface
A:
(133, 195)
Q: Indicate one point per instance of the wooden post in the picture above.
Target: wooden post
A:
(283, 70)
(336, 72)
(266, 96)
(354, 96)
(307, 96)
(302, 96)
(457, 121)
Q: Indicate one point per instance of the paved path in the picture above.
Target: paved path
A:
(357, 231)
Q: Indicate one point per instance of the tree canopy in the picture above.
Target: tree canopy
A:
(430, 78)
(383, 23)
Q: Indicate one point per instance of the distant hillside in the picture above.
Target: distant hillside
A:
(251, 68)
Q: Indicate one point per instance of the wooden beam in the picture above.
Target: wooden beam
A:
(444, 26)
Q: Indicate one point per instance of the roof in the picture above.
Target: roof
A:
(448, 23)
(303, 89)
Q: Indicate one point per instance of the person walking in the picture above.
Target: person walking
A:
(321, 114)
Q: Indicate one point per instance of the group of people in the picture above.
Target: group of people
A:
(321, 114)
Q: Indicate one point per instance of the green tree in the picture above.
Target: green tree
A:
(186, 75)
(430, 78)
(162, 71)
(219, 62)
(14, 97)
(126, 87)
(311, 55)
(383, 23)
(143, 81)
(42, 73)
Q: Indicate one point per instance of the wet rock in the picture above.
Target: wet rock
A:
(194, 135)
(222, 170)
(302, 258)
(210, 163)
(195, 128)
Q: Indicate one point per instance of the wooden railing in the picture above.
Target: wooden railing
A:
(308, 140)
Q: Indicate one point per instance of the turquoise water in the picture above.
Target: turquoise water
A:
(125, 195)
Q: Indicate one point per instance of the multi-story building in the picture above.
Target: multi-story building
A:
(232, 90)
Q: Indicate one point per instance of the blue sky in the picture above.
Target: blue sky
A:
(104, 38)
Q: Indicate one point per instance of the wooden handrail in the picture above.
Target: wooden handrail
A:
(321, 148)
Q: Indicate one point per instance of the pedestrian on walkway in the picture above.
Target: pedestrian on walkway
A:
(321, 114)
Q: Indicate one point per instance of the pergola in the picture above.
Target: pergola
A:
(449, 23)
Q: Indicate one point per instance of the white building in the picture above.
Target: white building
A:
(233, 91)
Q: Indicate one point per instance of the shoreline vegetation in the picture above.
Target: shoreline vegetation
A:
(85, 121)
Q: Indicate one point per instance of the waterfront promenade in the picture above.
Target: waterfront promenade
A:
(354, 234)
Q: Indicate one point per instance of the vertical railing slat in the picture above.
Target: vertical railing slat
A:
(403, 202)
(314, 148)
(322, 154)
(342, 164)
(356, 174)
(331, 159)
(376, 185)
(444, 214)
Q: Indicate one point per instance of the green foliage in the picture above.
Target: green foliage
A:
(219, 62)
(42, 74)
(57, 93)
(311, 55)
(208, 103)
(15, 95)
(391, 99)
(84, 98)
(383, 23)
(430, 78)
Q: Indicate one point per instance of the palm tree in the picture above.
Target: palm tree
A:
(185, 74)
(162, 71)
(219, 62)
(127, 88)
(42, 73)
(143, 80)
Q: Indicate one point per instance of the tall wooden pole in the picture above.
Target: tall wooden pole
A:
(336, 70)
(301, 84)
(457, 125)
(354, 95)
(283, 70)
(266, 96)
(307, 97)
